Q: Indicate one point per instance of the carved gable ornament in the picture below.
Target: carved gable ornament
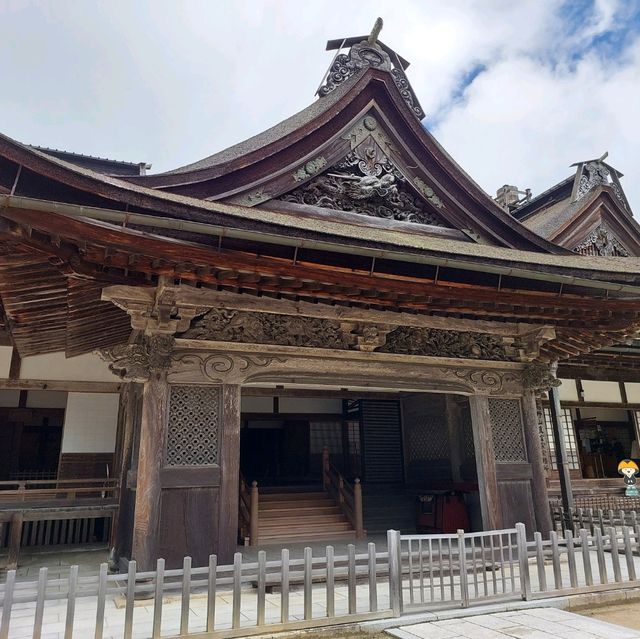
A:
(596, 173)
(364, 55)
(287, 330)
(601, 241)
(367, 182)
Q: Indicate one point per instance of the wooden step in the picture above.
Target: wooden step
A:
(294, 505)
(306, 524)
(293, 496)
(300, 512)
(306, 527)
(268, 538)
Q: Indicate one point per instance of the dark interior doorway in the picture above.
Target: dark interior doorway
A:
(30, 441)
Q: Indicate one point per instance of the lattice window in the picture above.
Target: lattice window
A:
(194, 417)
(506, 426)
(569, 438)
(325, 434)
(468, 446)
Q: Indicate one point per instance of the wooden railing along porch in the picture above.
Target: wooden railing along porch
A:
(346, 495)
(55, 512)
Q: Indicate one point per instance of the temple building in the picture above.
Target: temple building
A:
(293, 338)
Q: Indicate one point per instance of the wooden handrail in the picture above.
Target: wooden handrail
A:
(348, 496)
(68, 489)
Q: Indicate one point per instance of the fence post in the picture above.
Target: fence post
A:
(357, 506)
(462, 555)
(395, 572)
(253, 515)
(523, 560)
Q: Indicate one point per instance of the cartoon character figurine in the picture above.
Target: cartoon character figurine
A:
(629, 469)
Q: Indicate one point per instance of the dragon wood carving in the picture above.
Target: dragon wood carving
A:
(440, 343)
(367, 182)
(287, 330)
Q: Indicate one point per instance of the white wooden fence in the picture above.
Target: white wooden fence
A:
(418, 572)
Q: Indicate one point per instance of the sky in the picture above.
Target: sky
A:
(515, 90)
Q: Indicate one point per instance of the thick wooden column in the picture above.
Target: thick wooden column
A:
(146, 527)
(229, 471)
(485, 462)
(536, 459)
(128, 423)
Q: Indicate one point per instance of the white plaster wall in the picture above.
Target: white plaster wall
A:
(608, 392)
(9, 398)
(5, 360)
(46, 399)
(633, 392)
(90, 423)
(257, 404)
(568, 390)
(310, 405)
(55, 366)
(605, 414)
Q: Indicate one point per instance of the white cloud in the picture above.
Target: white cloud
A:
(171, 82)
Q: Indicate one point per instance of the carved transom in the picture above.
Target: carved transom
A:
(192, 436)
(506, 427)
(287, 330)
(602, 242)
(361, 56)
(368, 183)
(439, 343)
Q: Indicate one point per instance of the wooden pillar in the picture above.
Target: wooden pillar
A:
(230, 472)
(536, 459)
(455, 437)
(561, 455)
(146, 527)
(485, 462)
(127, 424)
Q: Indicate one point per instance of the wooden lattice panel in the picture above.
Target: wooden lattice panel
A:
(506, 426)
(194, 419)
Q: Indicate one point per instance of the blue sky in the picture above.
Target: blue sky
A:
(515, 91)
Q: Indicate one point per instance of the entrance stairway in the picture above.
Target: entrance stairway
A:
(289, 516)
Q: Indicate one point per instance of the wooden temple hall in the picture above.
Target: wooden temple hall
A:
(322, 332)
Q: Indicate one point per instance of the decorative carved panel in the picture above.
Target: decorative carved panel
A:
(267, 328)
(602, 242)
(508, 434)
(368, 183)
(194, 418)
(439, 343)
(289, 330)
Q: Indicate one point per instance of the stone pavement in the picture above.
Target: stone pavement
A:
(533, 623)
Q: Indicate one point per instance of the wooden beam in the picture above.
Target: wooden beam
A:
(15, 365)
(60, 385)
(191, 297)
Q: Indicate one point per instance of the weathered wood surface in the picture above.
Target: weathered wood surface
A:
(485, 462)
(146, 528)
(230, 471)
(536, 459)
